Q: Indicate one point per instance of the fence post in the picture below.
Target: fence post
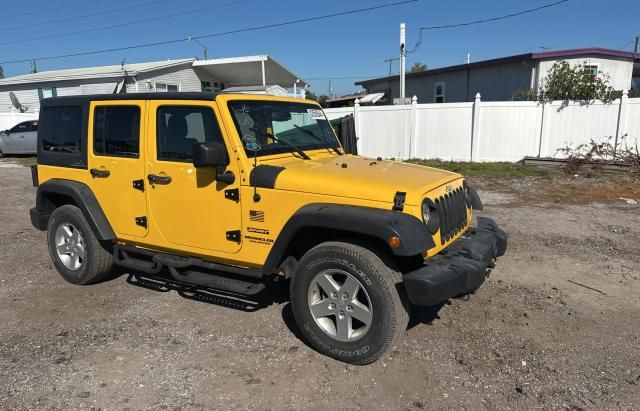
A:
(356, 123)
(622, 120)
(475, 128)
(414, 126)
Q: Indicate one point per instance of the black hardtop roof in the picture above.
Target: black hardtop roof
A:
(174, 95)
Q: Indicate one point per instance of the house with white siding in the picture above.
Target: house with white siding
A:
(502, 79)
(261, 72)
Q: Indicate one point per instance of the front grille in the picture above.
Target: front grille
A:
(452, 213)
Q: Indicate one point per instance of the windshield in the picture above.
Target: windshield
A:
(271, 127)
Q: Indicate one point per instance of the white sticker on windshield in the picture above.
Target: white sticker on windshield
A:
(316, 114)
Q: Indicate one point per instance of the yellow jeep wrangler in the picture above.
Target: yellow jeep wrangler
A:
(227, 191)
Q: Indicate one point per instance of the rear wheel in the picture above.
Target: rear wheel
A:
(348, 304)
(76, 252)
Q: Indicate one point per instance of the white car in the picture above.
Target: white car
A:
(21, 139)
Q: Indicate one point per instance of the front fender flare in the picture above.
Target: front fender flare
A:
(372, 222)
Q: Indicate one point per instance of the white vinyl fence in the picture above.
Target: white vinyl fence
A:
(489, 131)
(8, 120)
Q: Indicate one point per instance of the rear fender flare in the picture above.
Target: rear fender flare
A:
(81, 195)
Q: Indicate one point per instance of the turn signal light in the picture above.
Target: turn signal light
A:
(394, 242)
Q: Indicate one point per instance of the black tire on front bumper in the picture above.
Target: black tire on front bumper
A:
(460, 269)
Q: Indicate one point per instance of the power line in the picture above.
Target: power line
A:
(628, 43)
(131, 23)
(99, 13)
(66, 6)
(185, 39)
(492, 19)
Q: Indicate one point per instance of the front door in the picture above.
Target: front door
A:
(188, 207)
(116, 164)
(15, 139)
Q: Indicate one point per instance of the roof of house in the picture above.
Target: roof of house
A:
(518, 57)
(93, 72)
(238, 89)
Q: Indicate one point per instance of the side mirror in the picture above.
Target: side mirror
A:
(213, 155)
(210, 155)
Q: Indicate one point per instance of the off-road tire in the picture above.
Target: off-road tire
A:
(98, 258)
(390, 308)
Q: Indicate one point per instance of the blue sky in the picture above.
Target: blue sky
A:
(343, 49)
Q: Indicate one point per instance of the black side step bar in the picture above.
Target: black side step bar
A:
(210, 274)
(217, 281)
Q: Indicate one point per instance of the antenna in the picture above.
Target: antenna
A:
(16, 103)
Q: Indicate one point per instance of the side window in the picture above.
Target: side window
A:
(116, 131)
(180, 127)
(63, 131)
(21, 128)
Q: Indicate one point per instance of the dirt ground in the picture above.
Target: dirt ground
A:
(556, 326)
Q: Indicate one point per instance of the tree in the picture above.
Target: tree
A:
(322, 99)
(311, 95)
(418, 67)
(577, 82)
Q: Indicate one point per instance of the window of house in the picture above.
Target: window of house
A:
(63, 131)
(116, 131)
(206, 86)
(439, 92)
(165, 87)
(179, 128)
(591, 69)
(46, 92)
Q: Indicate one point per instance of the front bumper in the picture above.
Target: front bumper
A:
(460, 269)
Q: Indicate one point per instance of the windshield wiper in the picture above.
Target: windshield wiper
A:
(290, 144)
(279, 140)
(325, 140)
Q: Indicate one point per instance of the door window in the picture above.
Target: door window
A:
(180, 127)
(116, 131)
(24, 127)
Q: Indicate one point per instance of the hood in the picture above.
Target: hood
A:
(359, 177)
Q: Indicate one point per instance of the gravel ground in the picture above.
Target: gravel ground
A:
(555, 326)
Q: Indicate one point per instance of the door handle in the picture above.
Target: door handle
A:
(97, 172)
(156, 179)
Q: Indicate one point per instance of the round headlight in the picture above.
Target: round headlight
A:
(426, 212)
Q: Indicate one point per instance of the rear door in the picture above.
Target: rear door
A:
(116, 163)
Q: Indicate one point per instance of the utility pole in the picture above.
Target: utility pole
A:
(468, 58)
(636, 49)
(205, 49)
(34, 69)
(403, 55)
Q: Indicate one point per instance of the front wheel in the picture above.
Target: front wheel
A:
(348, 304)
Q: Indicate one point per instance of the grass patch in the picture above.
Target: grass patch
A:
(492, 170)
